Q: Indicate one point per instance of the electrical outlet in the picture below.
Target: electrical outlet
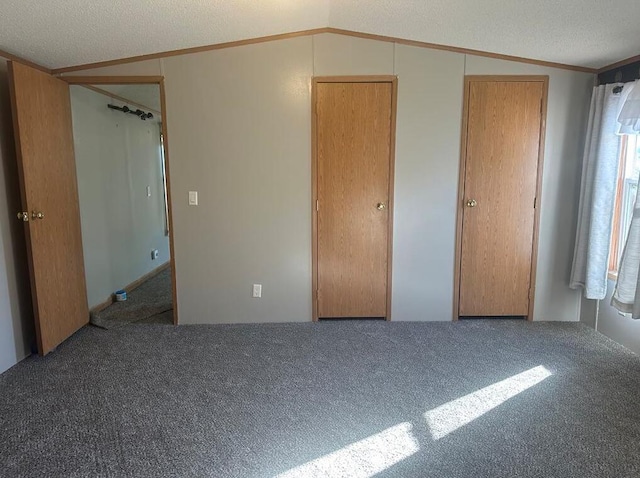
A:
(257, 291)
(154, 254)
(148, 191)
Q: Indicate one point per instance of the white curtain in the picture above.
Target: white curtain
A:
(597, 194)
(629, 116)
(626, 296)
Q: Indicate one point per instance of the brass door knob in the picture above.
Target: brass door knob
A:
(23, 216)
(37, 215)
(381, 206)
(472, 203)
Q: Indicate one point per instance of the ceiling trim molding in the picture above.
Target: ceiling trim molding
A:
(187, 51)
(337, 31)
(111, 80)
(122, 99)
(16, 58)
(620, 63)
(467, 51)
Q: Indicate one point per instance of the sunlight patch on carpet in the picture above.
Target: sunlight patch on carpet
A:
(364, 458)
(452, 415)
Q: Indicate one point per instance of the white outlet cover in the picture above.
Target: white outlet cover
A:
(257, 291)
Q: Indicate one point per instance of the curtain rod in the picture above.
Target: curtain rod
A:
(125, 109)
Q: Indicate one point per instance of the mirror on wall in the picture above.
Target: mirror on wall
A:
(122, 189)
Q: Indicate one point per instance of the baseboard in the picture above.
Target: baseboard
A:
(130, 287)
(101, 306)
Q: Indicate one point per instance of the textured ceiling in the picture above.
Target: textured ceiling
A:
(591, 33)
(60, 33)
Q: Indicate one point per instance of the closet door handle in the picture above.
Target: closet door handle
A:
(472, 203)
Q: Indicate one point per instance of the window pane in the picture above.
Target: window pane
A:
(633, 158)
(630, 188)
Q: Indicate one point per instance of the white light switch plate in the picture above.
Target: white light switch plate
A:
(193, 198)
(257, 291)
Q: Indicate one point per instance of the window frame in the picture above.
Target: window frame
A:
(614, 247)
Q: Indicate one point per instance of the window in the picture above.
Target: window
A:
(625, 198)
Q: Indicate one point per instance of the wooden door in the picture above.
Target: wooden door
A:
(354, 162)
(503, 146)
(46, 165)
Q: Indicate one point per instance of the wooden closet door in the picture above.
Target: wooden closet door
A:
(502, 153)
(46, 164)
(353, 128)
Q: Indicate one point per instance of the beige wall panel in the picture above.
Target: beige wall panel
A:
(240, 134)
(337, 55)
(430, 88)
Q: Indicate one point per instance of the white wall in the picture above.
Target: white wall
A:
(611, 323)
(16, 312)
(239, 132)
(117, 157)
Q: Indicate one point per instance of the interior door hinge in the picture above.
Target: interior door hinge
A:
(317, 205)
(535, 202)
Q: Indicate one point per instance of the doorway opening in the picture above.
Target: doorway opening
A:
(119, 136)
(50, 206)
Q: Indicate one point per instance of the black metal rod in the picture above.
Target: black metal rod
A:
(125, 109)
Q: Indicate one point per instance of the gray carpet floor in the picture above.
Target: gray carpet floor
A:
(468, 399)
(149, 303)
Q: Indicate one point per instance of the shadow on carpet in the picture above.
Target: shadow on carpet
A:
(150, 303)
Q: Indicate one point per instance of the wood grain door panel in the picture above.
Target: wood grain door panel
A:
(502, 153)
(353, 128)
(46, 165)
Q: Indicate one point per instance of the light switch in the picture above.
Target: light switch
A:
(193, 198)
(148, 191)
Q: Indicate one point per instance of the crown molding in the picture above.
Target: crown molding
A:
(620, 63)
(16, 58)
(466, 51)
(337, 31)
(187, 51)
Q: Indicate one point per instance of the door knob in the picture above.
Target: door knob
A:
(381, 206)
(23, 216)
(37, 215)
(472, 203)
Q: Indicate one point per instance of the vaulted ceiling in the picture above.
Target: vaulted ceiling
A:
(61, 33)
